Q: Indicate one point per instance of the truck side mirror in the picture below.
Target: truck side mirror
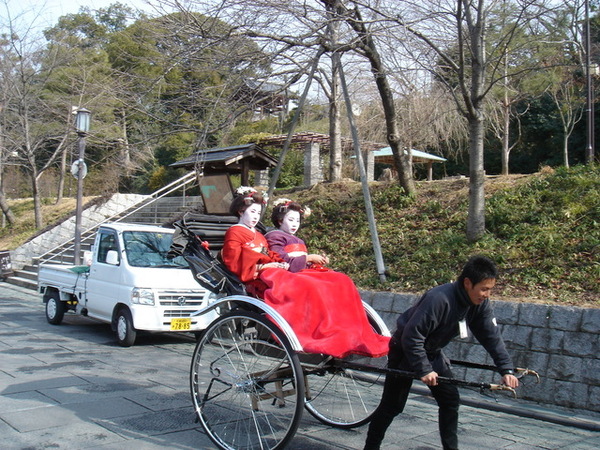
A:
(112, 258)
(87, 258)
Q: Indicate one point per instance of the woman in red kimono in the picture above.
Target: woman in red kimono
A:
(323, 307)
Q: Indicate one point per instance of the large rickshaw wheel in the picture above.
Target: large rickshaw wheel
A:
(339, 396)
(246, 383)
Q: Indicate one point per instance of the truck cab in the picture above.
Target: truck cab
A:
(129, 282)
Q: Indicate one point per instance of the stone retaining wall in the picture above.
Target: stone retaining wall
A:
(561, 343)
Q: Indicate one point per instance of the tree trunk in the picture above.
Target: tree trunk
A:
(125, 148)
(566, 149)
(476, 219)
(475, 117)
(402, 161)
(10, 217)
(37, 203)
(505, 120)
(505, 134)
(62, 175)
(63, 162)
(335, 136)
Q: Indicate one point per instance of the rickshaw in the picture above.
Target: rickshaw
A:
(250, 379)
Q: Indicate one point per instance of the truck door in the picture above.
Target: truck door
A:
(103, 283)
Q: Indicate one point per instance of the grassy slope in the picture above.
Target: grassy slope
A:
(543, 230)
(24, 229)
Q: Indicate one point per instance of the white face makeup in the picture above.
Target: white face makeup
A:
(251, 216)
(291, 222)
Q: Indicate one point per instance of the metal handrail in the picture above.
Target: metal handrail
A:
(155, 196)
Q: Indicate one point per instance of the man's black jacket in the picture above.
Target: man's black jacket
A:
(429, 325)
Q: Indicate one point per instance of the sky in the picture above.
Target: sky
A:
(45, 13)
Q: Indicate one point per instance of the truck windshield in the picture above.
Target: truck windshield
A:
(149, 249)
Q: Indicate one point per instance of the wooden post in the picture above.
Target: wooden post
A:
(363, 176)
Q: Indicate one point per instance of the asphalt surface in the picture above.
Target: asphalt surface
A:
(71, 387)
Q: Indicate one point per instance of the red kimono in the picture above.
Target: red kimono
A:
(323, 307)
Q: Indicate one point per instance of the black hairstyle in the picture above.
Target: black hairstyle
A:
(477, 269)
(279, 211)
(241, 202)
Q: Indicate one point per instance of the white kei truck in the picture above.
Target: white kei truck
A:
(130, 283)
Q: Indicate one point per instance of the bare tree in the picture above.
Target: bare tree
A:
(551, 64)
(32, 134)
(566, 63)
(570, 105)
(367, 46)
(502, 111)
(5, 89)
(8, 82)
(448, 39)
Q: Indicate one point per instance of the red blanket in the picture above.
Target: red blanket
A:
(325, 311)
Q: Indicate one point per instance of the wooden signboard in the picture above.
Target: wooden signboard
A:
(217, 193)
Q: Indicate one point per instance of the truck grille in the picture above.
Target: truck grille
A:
(170, 313)
(180, 303)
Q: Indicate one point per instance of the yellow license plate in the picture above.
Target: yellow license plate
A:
(181, 324)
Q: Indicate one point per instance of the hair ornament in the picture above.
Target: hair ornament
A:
(245, 191)
(282, 203)
(248, 193)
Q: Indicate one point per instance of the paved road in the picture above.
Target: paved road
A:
(72, 387)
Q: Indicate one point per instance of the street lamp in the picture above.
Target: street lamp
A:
(82, 125)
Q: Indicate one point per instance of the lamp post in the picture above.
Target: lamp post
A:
(82, 125)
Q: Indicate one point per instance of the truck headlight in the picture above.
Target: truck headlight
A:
(142, 296)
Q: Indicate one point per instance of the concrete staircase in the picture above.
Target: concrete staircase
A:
(25, 277)
(156, 210)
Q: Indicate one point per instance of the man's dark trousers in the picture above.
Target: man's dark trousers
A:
(395, 394)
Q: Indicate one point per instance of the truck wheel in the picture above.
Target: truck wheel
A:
(125, 331)
(55, 309)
